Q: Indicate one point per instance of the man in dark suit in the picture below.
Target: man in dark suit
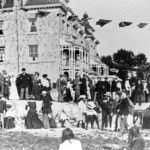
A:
(24, 81)
(99, 90)
(107, 85)
(83, 87)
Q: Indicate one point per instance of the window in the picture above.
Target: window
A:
(2, 54)
(68, 28)
(33, 27)
(1, 27)
(63, 26)
(33, 52)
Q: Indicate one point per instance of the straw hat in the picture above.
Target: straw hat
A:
(90, 105)
(44, 92)
(108, 94)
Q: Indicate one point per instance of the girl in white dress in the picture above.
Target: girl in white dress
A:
(69, 142)
(13, 89)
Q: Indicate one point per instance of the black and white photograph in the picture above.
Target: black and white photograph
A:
(74, 74)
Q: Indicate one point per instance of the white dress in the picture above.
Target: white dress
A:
(13, 89)
(71, 145)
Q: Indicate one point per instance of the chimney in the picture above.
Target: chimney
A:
(3, 2)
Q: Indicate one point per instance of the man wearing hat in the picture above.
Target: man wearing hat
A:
(77, 87)
(61, 84)
(24, 82)
(106, 110)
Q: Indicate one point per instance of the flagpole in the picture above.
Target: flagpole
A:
(17, 34)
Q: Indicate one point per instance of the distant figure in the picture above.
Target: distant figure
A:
(2, 112)
(61, 87)
(37, 86)
(7, 85)
(69, 142)
(46, 109)
(77, 87)
(13, 89)
(24, 82)
(136, 142)
(83, 86)
(32, 120)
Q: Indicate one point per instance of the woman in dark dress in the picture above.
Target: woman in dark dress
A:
(68, 96)
(36, 86)
(32, 121)
(7, 85)
(46, 109)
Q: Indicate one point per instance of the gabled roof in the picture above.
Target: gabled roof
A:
(41, 2)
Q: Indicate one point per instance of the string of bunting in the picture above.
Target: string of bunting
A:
(122, 24)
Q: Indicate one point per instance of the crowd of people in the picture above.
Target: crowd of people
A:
(23, 86)
(137, 89)
(114, 101)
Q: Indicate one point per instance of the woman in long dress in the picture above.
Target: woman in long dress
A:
(13, 89)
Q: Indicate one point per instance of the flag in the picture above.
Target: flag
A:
(102, 22)
(42, 13)
(124, 24)
(142, 25)
(72, 18)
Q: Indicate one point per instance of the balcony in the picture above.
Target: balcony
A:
(69, 38)
(74, 40)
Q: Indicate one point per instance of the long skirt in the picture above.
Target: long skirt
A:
(9, 122)
(45, 120)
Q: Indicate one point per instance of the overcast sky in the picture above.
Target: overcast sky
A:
(111, 36)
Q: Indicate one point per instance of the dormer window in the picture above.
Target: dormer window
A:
(33, 27)
(1, 27)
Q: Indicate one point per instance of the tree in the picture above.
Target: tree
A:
(140, 59)
(124, 59)
(107, 60)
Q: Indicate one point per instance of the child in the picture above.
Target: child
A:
(9, 120)
(96, 113)
(81, 111)
(89, 114)
(63, 118)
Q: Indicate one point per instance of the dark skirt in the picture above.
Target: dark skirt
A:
(68, 96)
(9, 122)
(32, 121)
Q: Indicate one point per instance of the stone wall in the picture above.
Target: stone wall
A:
(46, 37)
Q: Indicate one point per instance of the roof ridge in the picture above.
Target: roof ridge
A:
(41, 2)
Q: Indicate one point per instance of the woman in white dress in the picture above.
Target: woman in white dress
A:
(13, 89)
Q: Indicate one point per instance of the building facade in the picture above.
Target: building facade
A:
(44, 36)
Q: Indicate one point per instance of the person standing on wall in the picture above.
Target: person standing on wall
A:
(24, 80)
(61, 84)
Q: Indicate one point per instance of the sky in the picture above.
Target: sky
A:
(111, 37)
